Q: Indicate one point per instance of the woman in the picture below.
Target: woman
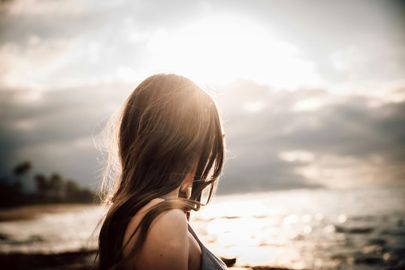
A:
(170, 148)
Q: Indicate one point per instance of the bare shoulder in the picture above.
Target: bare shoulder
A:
(166, 244)
(168, 231)
(136, 219)
(168, 222)
(170, 219)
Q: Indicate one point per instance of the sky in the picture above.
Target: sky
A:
(311, 93)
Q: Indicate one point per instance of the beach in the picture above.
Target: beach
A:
(300, 229)
(80, 260)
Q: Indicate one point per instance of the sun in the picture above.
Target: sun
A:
(221, 49)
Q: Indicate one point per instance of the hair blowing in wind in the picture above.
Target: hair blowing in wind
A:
(168, 126)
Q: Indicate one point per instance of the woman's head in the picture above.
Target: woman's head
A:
(168, 128)
(169, 135)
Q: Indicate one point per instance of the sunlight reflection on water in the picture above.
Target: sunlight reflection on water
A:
(313, 229)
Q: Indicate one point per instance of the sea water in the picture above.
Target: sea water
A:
(299, 229)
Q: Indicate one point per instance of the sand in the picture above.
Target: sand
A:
(34, 211)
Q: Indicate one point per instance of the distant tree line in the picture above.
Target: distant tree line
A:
(48, 189)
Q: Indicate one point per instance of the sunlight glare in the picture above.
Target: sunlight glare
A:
(224, 48)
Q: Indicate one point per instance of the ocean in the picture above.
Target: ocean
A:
(358, 229)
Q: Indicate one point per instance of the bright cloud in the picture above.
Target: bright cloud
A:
(224, 48)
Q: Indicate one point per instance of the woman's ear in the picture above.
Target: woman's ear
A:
(187, 184)
(185, 189)
(188, 180)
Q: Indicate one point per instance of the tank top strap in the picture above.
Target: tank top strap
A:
(209, 260)
(190, 229)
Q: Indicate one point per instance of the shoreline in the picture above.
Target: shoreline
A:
(81, 259)
(74, 260)
(78, 260)
(34, 211)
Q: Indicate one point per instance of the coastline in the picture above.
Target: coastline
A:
(361, 238)
(75, 260)
(30, 212)
(69, 260)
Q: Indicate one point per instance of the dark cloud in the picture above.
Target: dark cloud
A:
(55, 129)
(346, 128)
(59, 121)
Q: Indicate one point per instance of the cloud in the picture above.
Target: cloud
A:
(64, 68)
(330, 32)
(270, 41)
(356, 62)
(346, 143)
(31, 66)
(55, 129)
